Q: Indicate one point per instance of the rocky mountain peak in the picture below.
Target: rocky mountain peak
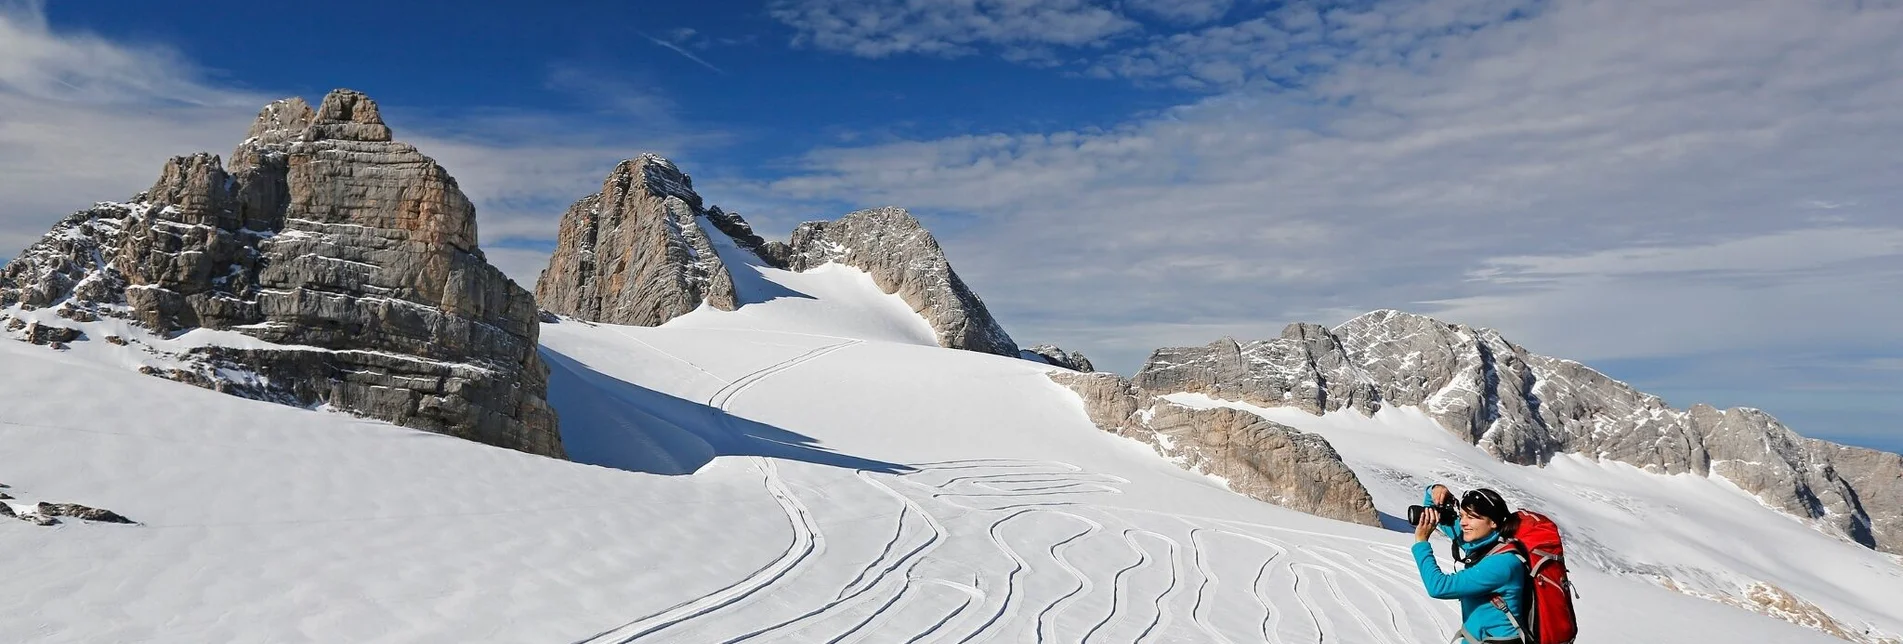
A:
(349, 258)
(1524, 408)
(641, 252)
(347, 115)
(636, 252)
(654, 175)
(280, 121)
(903, 258)
(195, 187)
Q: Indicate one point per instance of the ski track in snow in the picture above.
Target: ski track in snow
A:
(896, 590)
(1182, 566)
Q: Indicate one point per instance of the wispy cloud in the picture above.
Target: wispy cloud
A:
(682, 34)
(1019, 28)
(85, 118)
(1191, 12)
(1387, 155)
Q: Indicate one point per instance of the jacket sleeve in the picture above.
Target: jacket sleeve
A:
(1452, 531)
(1483, 579)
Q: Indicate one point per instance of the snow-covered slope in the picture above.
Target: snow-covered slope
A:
(1698, 534)
(850, 482)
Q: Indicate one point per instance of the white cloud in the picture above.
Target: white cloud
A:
(1793, 291)
(522, 265)
(1425, 138)
(85, 119)
(1191, 12)
(879, 28)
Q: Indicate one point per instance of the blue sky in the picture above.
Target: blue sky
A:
(1698, 197)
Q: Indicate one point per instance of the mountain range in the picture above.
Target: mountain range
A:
(329, 266)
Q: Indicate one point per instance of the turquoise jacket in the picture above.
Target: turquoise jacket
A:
(1500, 574)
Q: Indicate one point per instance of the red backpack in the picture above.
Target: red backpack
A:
(1549, 605)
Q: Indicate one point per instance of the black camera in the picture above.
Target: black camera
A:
(1449, 515)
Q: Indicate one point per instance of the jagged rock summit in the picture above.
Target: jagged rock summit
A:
(327, 265)
(1056, 355)
(638, 252)
(635, 253)
(1524, 408)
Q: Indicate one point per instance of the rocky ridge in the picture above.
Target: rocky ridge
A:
(639, 252)
(1055, 355)
(1254, 456)
(635, 253)
(330, 264)
(903, 258)
(1524, 408)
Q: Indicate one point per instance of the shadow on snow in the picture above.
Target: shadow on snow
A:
(614, 423)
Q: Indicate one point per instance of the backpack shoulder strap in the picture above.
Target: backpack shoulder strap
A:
(1510, 545)
(1501, 604)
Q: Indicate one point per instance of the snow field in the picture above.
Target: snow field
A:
(805, 469)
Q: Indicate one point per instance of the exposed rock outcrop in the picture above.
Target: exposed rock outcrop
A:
(1054, 355)
(1258, 458)
(903, 258)
(1524, 408)
(642, 252)
(81, 512)
(636, 253)
(350, 258)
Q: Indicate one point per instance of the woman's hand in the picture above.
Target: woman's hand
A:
(1430, 517)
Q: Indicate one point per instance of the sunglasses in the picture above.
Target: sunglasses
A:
(1484, 502)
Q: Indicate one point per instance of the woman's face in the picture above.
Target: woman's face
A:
(1474, 527)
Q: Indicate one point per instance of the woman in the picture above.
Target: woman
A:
(1502, 576)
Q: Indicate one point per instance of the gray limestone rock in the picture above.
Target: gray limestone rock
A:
(1524, 408)
(351, 255)
(636, 253)
(1258, 458)
(1054, 355)
(641, 252)
(903, 258)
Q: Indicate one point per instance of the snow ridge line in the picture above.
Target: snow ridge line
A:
(1116, 584)
(1197, 613)
(805, 544)
(911, 562)
(1377, 573)
(723, 398)
(1084, 584)
(854, 590)
(1162, 600)
(972, 595)
(806, 537)
(1361, 617)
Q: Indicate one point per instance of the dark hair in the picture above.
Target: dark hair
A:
(1487, 503)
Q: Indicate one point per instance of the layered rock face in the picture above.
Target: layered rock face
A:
(636, 253)
(903, 258)
(1524, 408)
(348, 257)
(1259, 458)
(641, 252)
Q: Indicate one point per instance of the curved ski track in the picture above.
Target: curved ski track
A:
(1015, 550)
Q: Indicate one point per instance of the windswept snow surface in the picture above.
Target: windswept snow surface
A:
(849, 483)
(1700, 534)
